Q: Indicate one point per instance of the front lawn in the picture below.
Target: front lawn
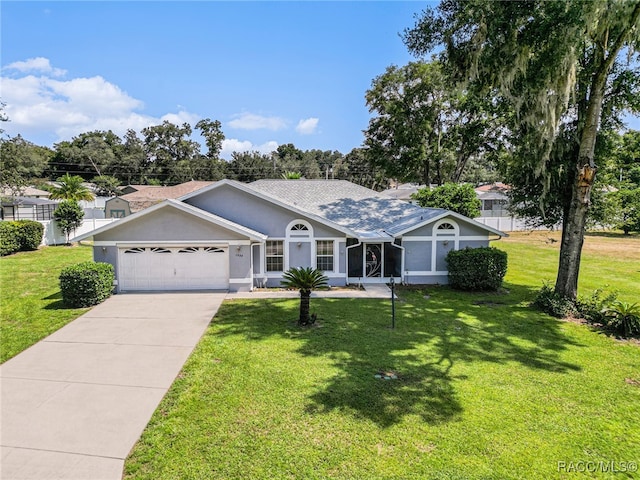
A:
(30, 296)
(486, 388)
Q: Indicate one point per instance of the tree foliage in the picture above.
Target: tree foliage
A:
(20, 162)
(68, 216)
(426, 129)
(457, 197)
(71, 187)
(566, 69)
(305, 280)
(106, 185)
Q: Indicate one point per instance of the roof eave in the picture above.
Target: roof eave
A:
(453, 214)
(246, 188)
(215, 219)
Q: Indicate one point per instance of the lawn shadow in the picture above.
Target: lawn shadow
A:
(57, 304)
(433, 335)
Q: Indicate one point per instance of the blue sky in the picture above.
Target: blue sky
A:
(271, 72)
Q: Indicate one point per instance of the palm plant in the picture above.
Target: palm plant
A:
(71, 188)
(291, 175)
(624, 318)
(305, 280)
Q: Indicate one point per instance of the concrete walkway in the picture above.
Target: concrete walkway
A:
(74, 404)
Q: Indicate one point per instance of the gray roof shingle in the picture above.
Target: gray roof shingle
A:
(367, 212)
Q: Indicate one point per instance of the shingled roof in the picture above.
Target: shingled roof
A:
(149, 195)
(360, 209)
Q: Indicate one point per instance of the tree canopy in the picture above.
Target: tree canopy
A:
(426, 129)
(71, 187)
(564, 68)
(457, 197)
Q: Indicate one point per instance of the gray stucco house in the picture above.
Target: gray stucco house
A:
(237, 236)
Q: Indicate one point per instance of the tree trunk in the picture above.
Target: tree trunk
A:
(305, 297)
(575, 216)
(461, 162)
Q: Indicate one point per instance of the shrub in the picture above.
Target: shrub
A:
(477, 269)
(86, 284)
(9, 241)
(68, 216)
(553, 303)
(594, 307)
(29, 234)
(457, 197)
(624, 318)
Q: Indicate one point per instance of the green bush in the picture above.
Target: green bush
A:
(9, 239)
(86, 284)
(477, 269)
(594, 307)
(548, 301)
(624, 318)
(30, 234)
(20, 235)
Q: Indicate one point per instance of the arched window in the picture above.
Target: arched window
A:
(299, 229)
(446, 227)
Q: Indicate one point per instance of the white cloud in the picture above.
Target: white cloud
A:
(44, 106)
(181, 117)
(231, 145)
(307, 126)
(38, 64)
(251, 121)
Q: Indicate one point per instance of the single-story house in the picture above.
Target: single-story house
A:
(139, 197)
(237, 236)
(494, 199)
(27, 208)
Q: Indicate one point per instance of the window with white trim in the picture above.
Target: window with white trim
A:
(275, 255)
(324, 255)
(446, 226)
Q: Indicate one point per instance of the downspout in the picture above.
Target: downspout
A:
(251, 244)
(347, 259)
(401, 262)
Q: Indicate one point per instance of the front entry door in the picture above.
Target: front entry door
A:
(373, 260)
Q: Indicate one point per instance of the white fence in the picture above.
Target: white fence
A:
(507, 224)
(53, 235)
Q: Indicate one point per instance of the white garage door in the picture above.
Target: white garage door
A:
(186, 268)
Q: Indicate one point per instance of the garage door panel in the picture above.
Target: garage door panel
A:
(186, 268)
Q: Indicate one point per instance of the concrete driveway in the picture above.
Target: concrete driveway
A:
(74, 404)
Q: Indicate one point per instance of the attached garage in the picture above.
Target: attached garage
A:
(175, 246)
(174, 268)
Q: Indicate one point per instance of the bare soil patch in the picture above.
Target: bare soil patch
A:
(602, 243)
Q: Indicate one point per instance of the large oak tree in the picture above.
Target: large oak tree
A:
(553, 61)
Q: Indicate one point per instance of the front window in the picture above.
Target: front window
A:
(324, 255)
(275, 255)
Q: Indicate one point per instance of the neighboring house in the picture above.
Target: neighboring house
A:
(404, 191)
(237, 236)
(27, 208)
(139, 197)
(28, 192)
(31, 204)
(495, 201)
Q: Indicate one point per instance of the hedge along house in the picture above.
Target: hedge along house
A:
(239, 236)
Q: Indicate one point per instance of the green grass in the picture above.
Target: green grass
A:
(487, 388)
(30, 296)
(609, 261)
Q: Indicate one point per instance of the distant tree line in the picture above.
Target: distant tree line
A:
(167, 154)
